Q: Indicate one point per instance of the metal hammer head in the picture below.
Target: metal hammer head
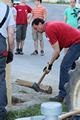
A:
(36, 87)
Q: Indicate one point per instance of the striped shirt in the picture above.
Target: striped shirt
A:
(39, 12)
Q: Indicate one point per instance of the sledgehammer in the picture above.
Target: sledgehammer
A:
(38, 87)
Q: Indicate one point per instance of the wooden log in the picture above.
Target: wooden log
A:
(8, 84)
(69, 114)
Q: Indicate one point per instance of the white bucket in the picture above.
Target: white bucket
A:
(51, 110)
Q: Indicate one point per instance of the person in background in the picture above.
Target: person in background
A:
(70, 17)
(21, 25)
(6, 52)
(70, 14)
(38, 12)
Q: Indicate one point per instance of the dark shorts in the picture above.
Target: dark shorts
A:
(21, 32)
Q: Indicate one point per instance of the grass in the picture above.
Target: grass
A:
(23, 91)
(58, 2)
(31, 111)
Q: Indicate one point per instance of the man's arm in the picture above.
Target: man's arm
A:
(10, 38)
(55, 55)
(65, 15)
(56, 52)
(65, 18)
(30, 17)
(45, 14)
(10, 44)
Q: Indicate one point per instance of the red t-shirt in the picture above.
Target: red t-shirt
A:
(63, 33)
(22, 11)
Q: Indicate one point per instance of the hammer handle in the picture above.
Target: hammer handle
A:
(66, 115)
(42, 77)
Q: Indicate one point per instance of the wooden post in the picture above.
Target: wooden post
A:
(8, 84)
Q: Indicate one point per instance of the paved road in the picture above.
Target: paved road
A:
(29, 67)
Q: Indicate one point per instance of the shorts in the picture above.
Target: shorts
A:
(21, 32)
(37, 35)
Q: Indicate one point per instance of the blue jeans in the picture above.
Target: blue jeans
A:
(74, 118)
(71, 56)
(3, 97)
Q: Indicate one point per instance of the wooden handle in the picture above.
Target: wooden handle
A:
(24, 83)
(66, 115)
(42, 77)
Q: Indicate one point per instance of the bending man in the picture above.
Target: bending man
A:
(61, 35)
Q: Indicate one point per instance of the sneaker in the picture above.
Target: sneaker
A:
(21, 52)
(42, 53)
(17, 51)
(57, 98)
(35, 53)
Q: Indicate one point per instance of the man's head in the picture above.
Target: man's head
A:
(38, 24)
(72, 3)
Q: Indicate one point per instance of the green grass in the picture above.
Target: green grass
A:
(23, 91)
(59, 2)
(64, 108)
(31, 111)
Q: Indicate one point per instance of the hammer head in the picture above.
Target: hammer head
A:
(37, 88)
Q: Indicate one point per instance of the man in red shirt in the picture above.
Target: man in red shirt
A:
(61, 35)
(21, 25)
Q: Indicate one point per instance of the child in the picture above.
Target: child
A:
(38, 12)
(21, 25)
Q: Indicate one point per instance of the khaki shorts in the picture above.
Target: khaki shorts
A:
(37, 35)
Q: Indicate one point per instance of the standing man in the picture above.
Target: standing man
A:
(21, 25)
(70, 17)
(38, 12)
(6, 54)
(61, 35)
(70, 14)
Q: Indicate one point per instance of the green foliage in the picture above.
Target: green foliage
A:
(31, 111)
(58, 2)
(64, 106)
(23, 91)
(62, 2)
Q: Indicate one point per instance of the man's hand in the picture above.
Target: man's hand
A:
(9, 57)
(47, 68)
